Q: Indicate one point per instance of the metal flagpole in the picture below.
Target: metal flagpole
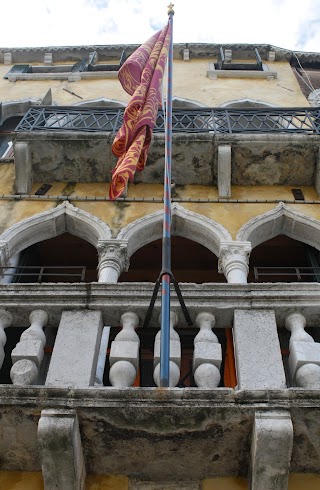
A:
(166, 273)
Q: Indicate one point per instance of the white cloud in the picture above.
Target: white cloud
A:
(282, 23)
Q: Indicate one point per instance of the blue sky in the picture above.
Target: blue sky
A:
(291, 24)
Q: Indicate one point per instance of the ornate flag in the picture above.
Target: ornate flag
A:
(141, 76)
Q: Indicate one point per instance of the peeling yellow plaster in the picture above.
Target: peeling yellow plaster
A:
(20, 480)
(7, 176)
(102, 482)
(225, 483)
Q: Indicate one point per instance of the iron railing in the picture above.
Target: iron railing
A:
(286, 274)
(267, 120)
(44, 273)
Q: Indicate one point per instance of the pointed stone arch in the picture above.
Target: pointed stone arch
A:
(246, 102)
(102, 102)
(282, 220)
(43, 226)
(185, 223)
(182, 103)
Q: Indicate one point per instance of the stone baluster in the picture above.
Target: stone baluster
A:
(207, 354)
(113, 260)
(124, 353)
(28, 353)
(234, 261)
(5, 321)
(175, 353)
(304, 358)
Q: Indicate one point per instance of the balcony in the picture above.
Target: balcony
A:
(195, 421)
(77, 143)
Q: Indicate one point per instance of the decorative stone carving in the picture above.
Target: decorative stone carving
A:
(281, 220)
(4, 254)
(314, 98)
(113, 260)
(234, 261)
(175, 353)
(304, 358)
(48, 59)
(5, 321)
(7, 58)
(28, 353)
(124, 354)
(271, 56)
(184, 223)
(207, 354)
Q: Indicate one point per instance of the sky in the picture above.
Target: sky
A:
(290, 24)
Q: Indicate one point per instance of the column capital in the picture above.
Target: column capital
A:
(113, 254)
(234, 260)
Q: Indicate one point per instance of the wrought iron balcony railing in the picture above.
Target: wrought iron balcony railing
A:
(37, 273)
(286, 274)
(217, 120)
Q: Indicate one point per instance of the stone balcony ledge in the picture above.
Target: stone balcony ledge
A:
(114, 299)
(290, 159)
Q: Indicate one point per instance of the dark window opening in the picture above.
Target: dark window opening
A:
(59, 259)
(191, 262)
(283, 259)
(247, 60)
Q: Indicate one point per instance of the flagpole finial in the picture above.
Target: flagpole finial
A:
(170, 9)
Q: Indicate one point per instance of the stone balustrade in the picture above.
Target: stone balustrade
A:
(304, 357)
(28, 353)
(5, 321)
(124, 354)
(207, 355)
(175, 353)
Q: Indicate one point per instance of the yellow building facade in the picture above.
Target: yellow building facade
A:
(80, 407)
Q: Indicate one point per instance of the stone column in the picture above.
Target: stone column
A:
(124, 354)
(207, 354)
(62, 460)
(304, 358)
(5, 321)
(76, 349)
(257, 350)
(234, 261)
(271, 448)
(28, 353)
(175, 353)
(113, 260)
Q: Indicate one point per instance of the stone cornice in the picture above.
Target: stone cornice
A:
(113, 300)
(109, 52)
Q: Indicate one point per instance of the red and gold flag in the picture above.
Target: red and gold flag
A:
(141, 76)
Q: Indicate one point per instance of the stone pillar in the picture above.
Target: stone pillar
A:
(4, 260)
(75, 353)
(113, 260)
(271, 449)
(175, 354)
(304, 358)
(224, 171)
(234, 261)
(207, 354)
(124, 354)
(28, 353)
(257, 350)
(61, 452)
(23, 166)
(5, 321)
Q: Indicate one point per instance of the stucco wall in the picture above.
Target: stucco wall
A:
(190, 82)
